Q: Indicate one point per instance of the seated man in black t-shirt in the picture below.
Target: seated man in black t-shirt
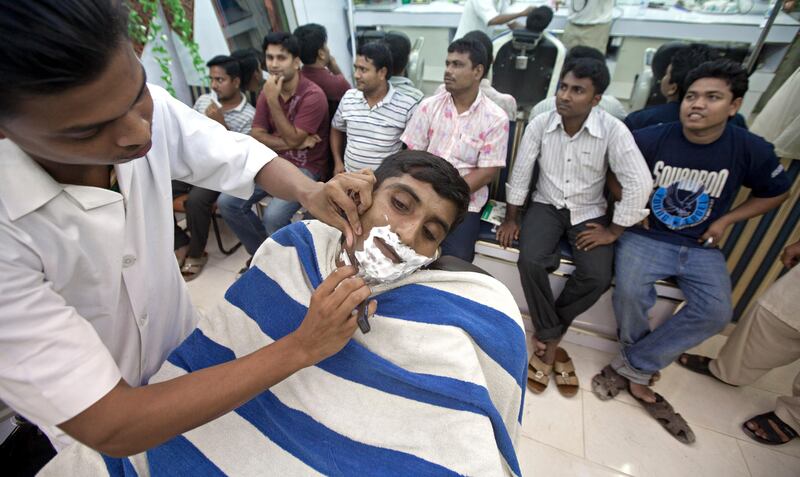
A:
(684, 60)
(698, 165)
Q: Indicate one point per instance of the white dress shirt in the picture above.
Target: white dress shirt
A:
(90, 291)
(572, 170)
(608, 103)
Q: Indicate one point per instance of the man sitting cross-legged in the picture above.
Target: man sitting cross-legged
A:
(434, 388)
(698, 164)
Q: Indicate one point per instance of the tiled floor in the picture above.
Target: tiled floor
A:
(583, 436)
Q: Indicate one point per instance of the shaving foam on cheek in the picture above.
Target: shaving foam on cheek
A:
(375, 267)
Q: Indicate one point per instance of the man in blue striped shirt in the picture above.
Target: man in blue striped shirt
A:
(372, 116)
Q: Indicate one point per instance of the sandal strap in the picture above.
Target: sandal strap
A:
(538, 364)
(538, 375)
(763, 421)
(561, 367)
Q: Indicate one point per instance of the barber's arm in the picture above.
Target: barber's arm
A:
(509, 17)
(129, 420)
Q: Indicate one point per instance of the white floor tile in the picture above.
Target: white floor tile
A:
(537, 459)
(208, 289)
(554, 420)
(626, 438)
(766, 462)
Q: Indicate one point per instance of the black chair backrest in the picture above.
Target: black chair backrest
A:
(529, 85)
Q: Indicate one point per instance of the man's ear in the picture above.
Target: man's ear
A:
(596, 99)
(479, 69)
(672, 89)
(237, 82)
(385, 73)
(734, 107)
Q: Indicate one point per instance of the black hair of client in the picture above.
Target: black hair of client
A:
(229, 64)
(732, 72)
(538, 20)
(378, 53)
(581, 51)
(426, 167)
(50, 46)
(400, 47)
(475, 50)
(286, 40)
(312, 38)
(688, 58)
(483, 39)
(595, 70)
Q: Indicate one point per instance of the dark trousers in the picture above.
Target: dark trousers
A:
(542, 229)
(198, 216)
(460, 242)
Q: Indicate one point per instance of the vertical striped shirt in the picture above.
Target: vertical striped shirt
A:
(238, 119)
(372, 133)
(572, 170)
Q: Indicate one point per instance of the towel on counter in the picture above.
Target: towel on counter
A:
(436, 388)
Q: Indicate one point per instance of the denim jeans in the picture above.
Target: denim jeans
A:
(251, 230)
(702, 277)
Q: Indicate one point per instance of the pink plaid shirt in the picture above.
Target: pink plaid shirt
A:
(471, 140)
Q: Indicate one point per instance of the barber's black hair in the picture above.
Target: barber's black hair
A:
(400, 46)
(581, 51)
(688, 58)
(50, 46)
(248, 64)
(378, 53)
(538, 19)
(595, 70)
(730, 71)
(286, 40)
(227, 63)
(426, 167)
(312, 38)
(477, 52)
(483, 39)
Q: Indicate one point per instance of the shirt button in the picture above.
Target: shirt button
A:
(128, 260)
(567, 181)
(569, 160)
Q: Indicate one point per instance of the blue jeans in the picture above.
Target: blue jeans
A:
(251, 231)
(702, 277)
(460, 242)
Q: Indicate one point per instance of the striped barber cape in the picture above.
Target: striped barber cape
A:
(436, 388)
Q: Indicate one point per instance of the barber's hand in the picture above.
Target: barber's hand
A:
(527, 11)
(791, 255)
(331, 319)
(507, 232)
(594, 236)
(310, 141)
(272, 87)
(213, 112)
(715, 232)
(340, 201)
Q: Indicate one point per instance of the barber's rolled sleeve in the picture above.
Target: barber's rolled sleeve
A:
(53, 365)
(485, 10)
(203, 153)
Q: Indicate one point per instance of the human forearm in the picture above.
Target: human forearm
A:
(337, 145)
(282, 179)
(480, 177)
(131, 420)
(504, 18)
(512, 213)
(752, 207)
(275, 143)
(294, 137)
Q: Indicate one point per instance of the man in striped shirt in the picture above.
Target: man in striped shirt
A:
(371, 116)
(575, 145)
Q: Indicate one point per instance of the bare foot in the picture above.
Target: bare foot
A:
(640, 391)
(180, 254)
(539, 347)
(757, 430)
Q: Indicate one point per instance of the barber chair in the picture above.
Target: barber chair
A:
(527, 64)
(646, 90)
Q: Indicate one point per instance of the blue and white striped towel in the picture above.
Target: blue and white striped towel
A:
(436, 388)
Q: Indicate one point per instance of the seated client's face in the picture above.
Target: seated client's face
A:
(414, 211)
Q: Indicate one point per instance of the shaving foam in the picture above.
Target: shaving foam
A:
(375, 267)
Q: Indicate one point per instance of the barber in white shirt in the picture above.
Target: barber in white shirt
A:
(588, 23)
(483, 14)
(91, 299)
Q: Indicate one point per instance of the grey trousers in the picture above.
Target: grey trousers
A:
(542, 229)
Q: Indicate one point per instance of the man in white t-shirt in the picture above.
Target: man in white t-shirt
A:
(588, 23)
(483, 14)
(91, 298)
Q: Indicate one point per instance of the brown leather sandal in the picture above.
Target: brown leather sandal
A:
(193, 266)
(538, 375)
(566, 379)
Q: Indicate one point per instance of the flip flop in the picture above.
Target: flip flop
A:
(699, 364)
(764, 422)
(193, 266)
(566, 379)
(671, 421)
(608, 383)
(538, 375)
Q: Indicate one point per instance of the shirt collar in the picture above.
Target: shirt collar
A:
(25, 186)
(592, 123)
(475, 104)
(385, 100)
(400, 80)
(241, 105)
